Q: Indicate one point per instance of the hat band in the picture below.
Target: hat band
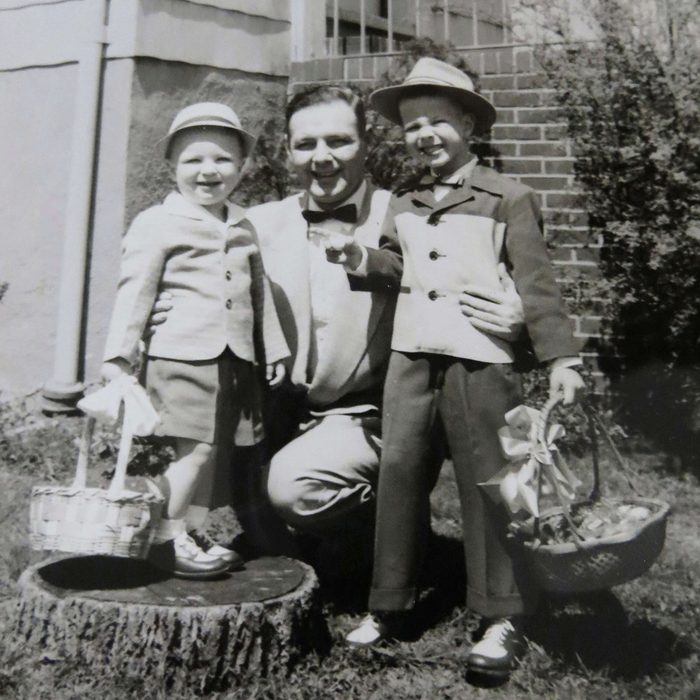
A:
(208, 121)
(435, 81)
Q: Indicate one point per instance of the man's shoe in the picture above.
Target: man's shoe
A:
(184, 559)
(230, 556)
(497, 652)
(370, 631)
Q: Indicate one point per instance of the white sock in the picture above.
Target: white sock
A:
(195, 517)
(168, 529)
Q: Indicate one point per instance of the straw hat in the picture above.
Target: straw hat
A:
(432, 73)
(209, 114)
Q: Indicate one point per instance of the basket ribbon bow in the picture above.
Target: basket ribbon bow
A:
(516, 483)
(140, 418)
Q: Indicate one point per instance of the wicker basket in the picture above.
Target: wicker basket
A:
(591, 564)
(84, 520)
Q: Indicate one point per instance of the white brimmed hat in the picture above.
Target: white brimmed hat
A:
(433, 73)
(209, 114)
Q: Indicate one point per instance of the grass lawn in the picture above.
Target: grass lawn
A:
(639, 640)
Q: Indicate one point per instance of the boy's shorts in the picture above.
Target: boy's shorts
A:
(212, 401)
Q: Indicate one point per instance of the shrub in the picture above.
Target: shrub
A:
(629, 101)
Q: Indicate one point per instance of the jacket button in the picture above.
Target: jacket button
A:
(228, 304)
(433, 255)
(228, 274)
(433, 295)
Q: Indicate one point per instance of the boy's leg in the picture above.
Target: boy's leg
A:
(406, 477)
(193, 461)
(474, 402)
(175, 551)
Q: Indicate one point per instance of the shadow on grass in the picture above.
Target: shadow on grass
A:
(594, 630)
(444, 581)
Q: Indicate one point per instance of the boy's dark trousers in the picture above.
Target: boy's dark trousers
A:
(470, 398)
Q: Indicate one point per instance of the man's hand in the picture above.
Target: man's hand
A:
(274, 374)
(567, 383)
(343, 250)
(113, 369)
(159, 313)
(499, 313)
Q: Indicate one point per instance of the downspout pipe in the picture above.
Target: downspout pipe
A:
(62, 391)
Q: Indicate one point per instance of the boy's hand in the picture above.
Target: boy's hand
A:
(567, 383)
(499, 313)
(159, 313)
(274, 374)
(343, 250)
(114, 369)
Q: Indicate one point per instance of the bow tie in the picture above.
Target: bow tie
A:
(346, 213)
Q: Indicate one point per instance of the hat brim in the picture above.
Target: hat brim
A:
(386, 101)
(247, 139)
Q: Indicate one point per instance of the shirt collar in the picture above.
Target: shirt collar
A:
(355, 198)
(463, 173)
(176, 204)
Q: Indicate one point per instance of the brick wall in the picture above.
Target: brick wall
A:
(529, 144)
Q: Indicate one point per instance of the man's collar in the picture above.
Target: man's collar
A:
(356, 198)
(178, 205)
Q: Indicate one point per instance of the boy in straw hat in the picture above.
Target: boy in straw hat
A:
(199, 368)
(449, 230)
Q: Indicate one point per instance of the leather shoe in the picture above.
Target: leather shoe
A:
(497, 652)
(184, 559)
(230, 556)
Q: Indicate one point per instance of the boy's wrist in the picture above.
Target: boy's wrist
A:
(111, 369)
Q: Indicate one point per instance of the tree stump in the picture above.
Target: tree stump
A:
(109, 615)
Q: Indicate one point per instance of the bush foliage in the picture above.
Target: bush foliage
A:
(634, 121)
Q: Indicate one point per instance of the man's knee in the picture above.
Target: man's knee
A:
(284, 489)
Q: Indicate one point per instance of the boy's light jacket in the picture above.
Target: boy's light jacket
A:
(460, 240)
(213, 269)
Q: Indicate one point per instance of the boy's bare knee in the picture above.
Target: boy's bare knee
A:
(199, 452)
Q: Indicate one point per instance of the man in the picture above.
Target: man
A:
(323, 474)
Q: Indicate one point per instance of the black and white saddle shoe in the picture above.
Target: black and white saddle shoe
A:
(498, 651)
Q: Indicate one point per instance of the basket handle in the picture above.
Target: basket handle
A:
(588, 411)
(541, 435)
(81, 466)
(593, 421)
(119, 478)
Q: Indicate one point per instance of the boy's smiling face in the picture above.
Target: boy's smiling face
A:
(207, 164)
(437, 132)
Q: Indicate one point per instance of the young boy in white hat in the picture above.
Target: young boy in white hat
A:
(199, 366)
(452, 229)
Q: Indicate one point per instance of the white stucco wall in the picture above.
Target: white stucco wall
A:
(159, 55)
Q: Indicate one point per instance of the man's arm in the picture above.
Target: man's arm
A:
(370, 269)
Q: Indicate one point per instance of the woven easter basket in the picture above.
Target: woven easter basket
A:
(84, 520)
(593, 563)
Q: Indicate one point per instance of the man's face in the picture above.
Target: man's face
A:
(437, 132)
(326, 151)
